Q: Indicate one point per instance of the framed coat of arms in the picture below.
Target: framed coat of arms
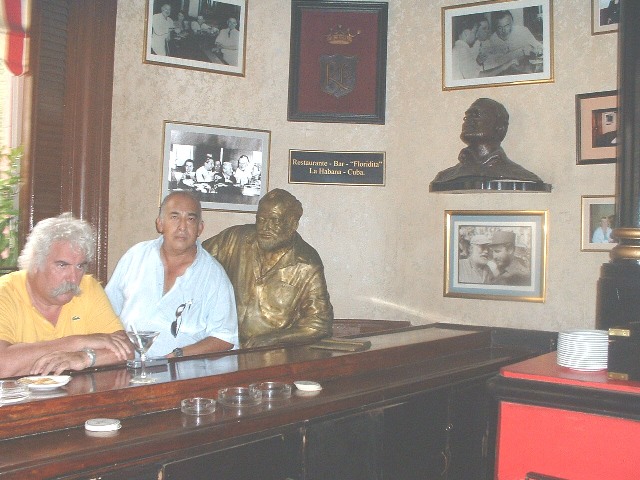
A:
(338, 62)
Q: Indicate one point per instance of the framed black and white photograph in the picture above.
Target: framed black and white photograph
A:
(226, 167)
(201, 35)
(496, 255)
(598, 223)
(505, 42)
(596, 127)
(605, 16)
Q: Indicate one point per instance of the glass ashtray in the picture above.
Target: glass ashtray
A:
(198, 406)
(239, 396)
(12, 391)
(272, 391)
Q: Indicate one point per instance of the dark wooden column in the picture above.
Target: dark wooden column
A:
(618, 300)
(68, 150)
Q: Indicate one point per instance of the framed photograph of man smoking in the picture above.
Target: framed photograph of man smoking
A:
(598, 222)
(207, 36)
(497, 43)
(496, 255)
(226, 168)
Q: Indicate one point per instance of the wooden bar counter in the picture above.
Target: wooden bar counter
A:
(417, 388)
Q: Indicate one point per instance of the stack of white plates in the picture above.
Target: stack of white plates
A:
(585, 350)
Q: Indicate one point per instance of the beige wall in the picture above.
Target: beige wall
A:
(382, 246)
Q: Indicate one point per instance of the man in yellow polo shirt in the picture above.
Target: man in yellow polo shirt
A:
(53, 317)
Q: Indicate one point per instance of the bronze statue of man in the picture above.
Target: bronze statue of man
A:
(483, 164)
(278, 278)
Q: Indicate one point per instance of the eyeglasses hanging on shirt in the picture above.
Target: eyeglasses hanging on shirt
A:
(177, 323)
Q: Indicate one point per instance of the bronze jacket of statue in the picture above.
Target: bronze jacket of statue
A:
(290, 298)
(494, 166)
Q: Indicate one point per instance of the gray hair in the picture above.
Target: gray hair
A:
(63, 228)
(183, 193)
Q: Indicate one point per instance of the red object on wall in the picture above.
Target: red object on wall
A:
(565, 443)
(14, 23)
(315, 27)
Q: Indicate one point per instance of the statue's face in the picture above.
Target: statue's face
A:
(275, 227)
(480, 123)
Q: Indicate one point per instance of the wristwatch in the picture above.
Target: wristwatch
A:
(177, 352)
(91, 353)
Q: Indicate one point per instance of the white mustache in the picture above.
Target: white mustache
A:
(65, 288)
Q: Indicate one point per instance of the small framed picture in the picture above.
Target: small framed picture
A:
(504, 42)
(496, 255)
(207, 36)
(337, 70)
(605, 16)
(226, 168)
(598, 222)
(596, 127)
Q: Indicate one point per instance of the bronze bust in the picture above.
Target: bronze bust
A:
(483, 164)
(278, 278)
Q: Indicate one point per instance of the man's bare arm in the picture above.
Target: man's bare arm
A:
(66, 353)
(206, 345)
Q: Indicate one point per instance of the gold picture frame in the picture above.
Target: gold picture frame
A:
(496, 255)
(598, 213)
(522, 55)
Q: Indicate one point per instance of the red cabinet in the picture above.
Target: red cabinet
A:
(567, 424)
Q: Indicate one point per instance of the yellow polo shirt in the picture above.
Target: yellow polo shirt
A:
(20, 322)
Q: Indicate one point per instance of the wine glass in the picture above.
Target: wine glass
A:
(142, 340)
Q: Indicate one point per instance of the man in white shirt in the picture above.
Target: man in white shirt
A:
(161, 26)
(463, 56)
(602, 234)
(200, 27)
(243, 172)
(510, 38)
(469, 56)
(227, 42)
(172, 285)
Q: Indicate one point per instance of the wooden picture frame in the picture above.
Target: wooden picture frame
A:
(508, 42)
(605, 16)
(596, 127)
(337, 71)
(496, 255)
(207, 37)
(598, 213)
(216, 149)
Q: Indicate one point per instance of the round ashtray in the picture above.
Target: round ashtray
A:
(239, 396)
(102, 425)
(272, 391)
(12, 391)
(198, 406)
(307, 386)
